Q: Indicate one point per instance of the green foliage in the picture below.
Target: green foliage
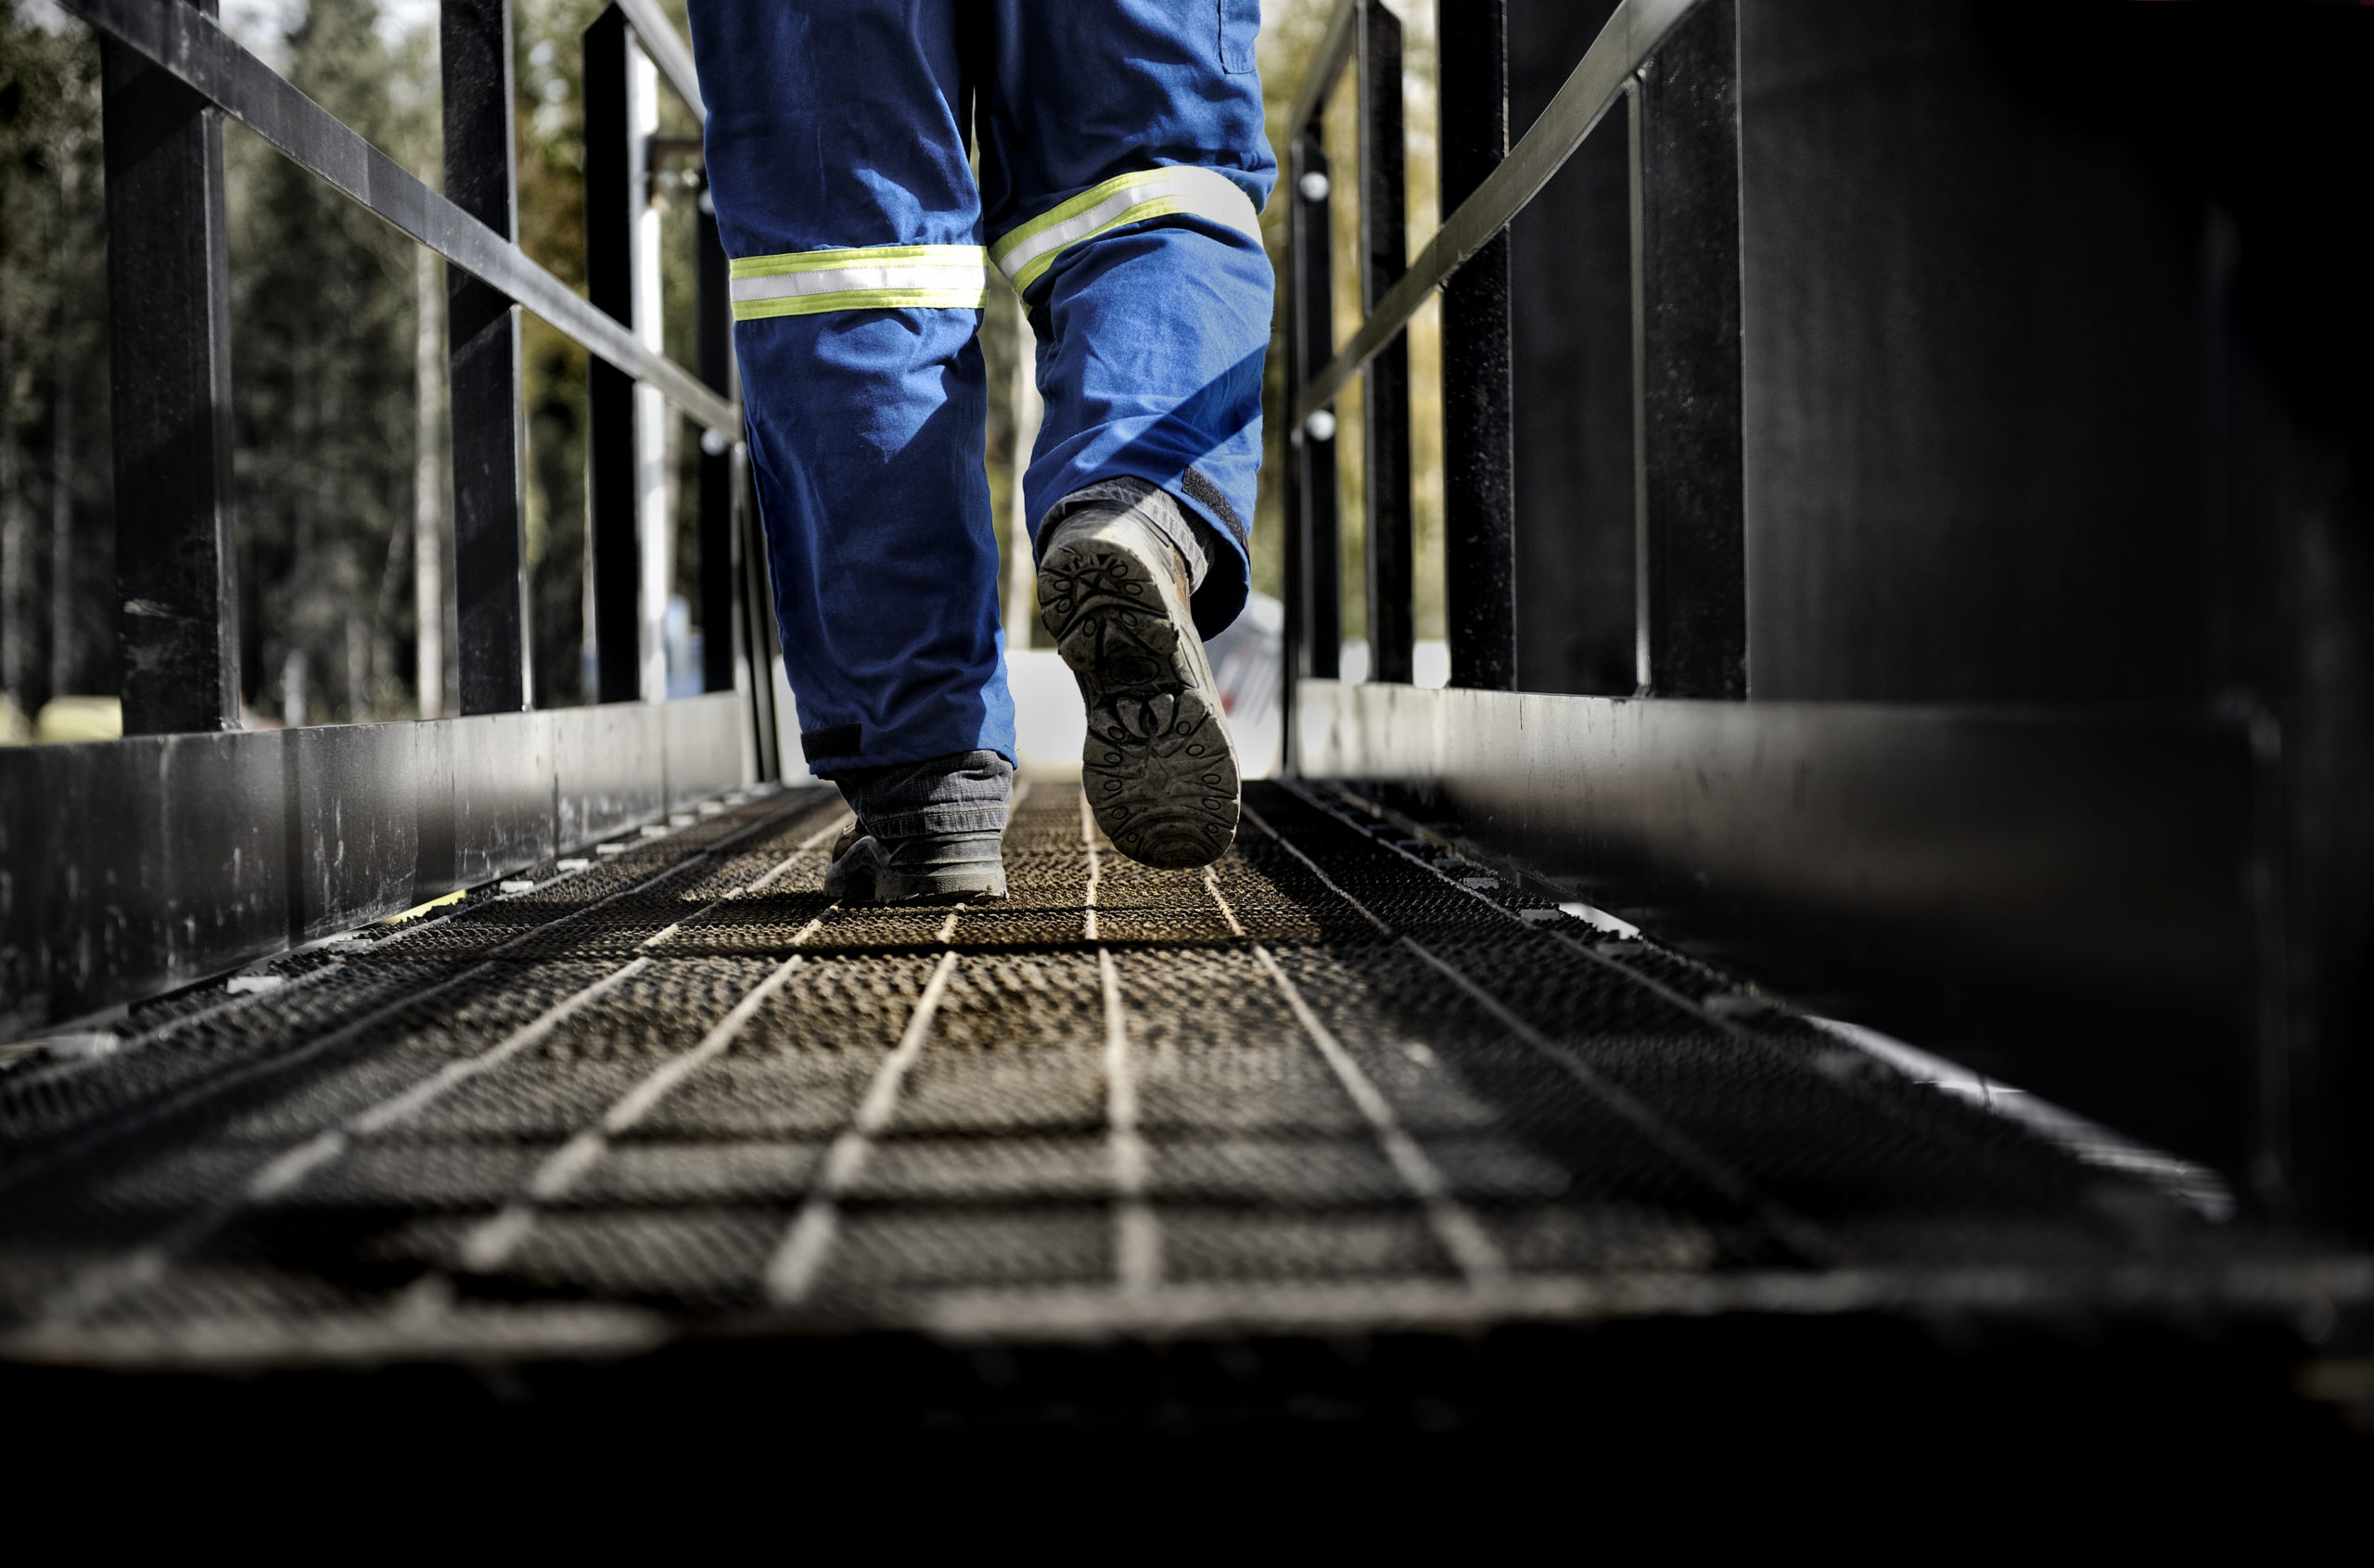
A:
(322, 321)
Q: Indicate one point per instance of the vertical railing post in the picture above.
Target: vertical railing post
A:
(721, 538)
(612, 481)
(1314, 548)
(1479, 453)
(1385, 249)
(490, 517)
(168, 275)
(757, 615)
(1688, 489)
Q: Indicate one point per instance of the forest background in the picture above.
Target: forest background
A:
(339, 464)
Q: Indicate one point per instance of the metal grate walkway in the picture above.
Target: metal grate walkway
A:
(1345, 1080)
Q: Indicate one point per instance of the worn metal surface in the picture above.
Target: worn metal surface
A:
(1689, 491)
(1347, 1080)
(197, 52)
(1387, 547)
(169, 360)
(489, 430)
(1479, 480)
(128, 868)
(2097, 873)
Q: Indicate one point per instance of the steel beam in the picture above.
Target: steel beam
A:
(489, 434)
(170, 363)
(1479, 453)
(1688, 491)
(1385, 400)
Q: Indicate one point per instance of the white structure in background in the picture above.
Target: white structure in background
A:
(1051, 724)
(655, 422)
(1429, 663)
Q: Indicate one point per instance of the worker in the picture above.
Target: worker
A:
(1122, 169)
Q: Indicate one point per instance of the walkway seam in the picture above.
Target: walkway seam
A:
(1454, 1224)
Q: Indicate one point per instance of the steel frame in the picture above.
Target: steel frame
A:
(193, 846)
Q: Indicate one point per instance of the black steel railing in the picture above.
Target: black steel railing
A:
(1682, 122)
(170, 69)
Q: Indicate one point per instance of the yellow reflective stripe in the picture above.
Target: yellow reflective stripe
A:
(1024, 253)
(864, 300)
(882, 277)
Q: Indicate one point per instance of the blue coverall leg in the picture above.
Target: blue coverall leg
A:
(1123, 168)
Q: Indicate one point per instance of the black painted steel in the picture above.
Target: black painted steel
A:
(201, 56)
(1688, 491)
(488, 431)
(611, 203)
(1596, 87)
(151, 863)
(1479, 458)
(170, 344)
(721, 535)
(1570, 265)
(758, 616)
(1385, 399)
(1314, 600)
(2065, 899)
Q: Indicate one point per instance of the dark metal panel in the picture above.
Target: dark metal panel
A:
(701, 744)
(1315, 599)
(25, 872)
(1570, 279)
(167, 858)
(502, 808)
(197, 54)
(353, 797)
(1385, 400)
(2064, 899)
(606, 767)
(1479, 499)
(129, 868)
(489, 436)
(1690, 552)
(613, 492)
(170, 361)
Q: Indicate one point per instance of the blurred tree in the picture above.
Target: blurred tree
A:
(56, 547)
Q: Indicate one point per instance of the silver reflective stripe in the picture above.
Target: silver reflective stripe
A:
(884, 278)
(1027, 251)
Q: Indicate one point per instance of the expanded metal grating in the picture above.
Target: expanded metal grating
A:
(1346, 1078)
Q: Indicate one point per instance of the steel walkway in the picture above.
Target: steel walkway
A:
(1346, 1081)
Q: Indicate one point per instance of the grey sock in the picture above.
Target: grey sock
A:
(1188, 533)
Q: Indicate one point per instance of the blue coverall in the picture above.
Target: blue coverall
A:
(1123, 165)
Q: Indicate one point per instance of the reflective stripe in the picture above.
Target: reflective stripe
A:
(1023, 253)
(806, 283)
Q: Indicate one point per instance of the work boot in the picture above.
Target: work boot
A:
(1158, 767)
(927, 833)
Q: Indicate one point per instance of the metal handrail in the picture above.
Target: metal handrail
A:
(1631, 35)
(191, 47)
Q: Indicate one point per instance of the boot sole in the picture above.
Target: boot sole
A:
(1159, 766)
